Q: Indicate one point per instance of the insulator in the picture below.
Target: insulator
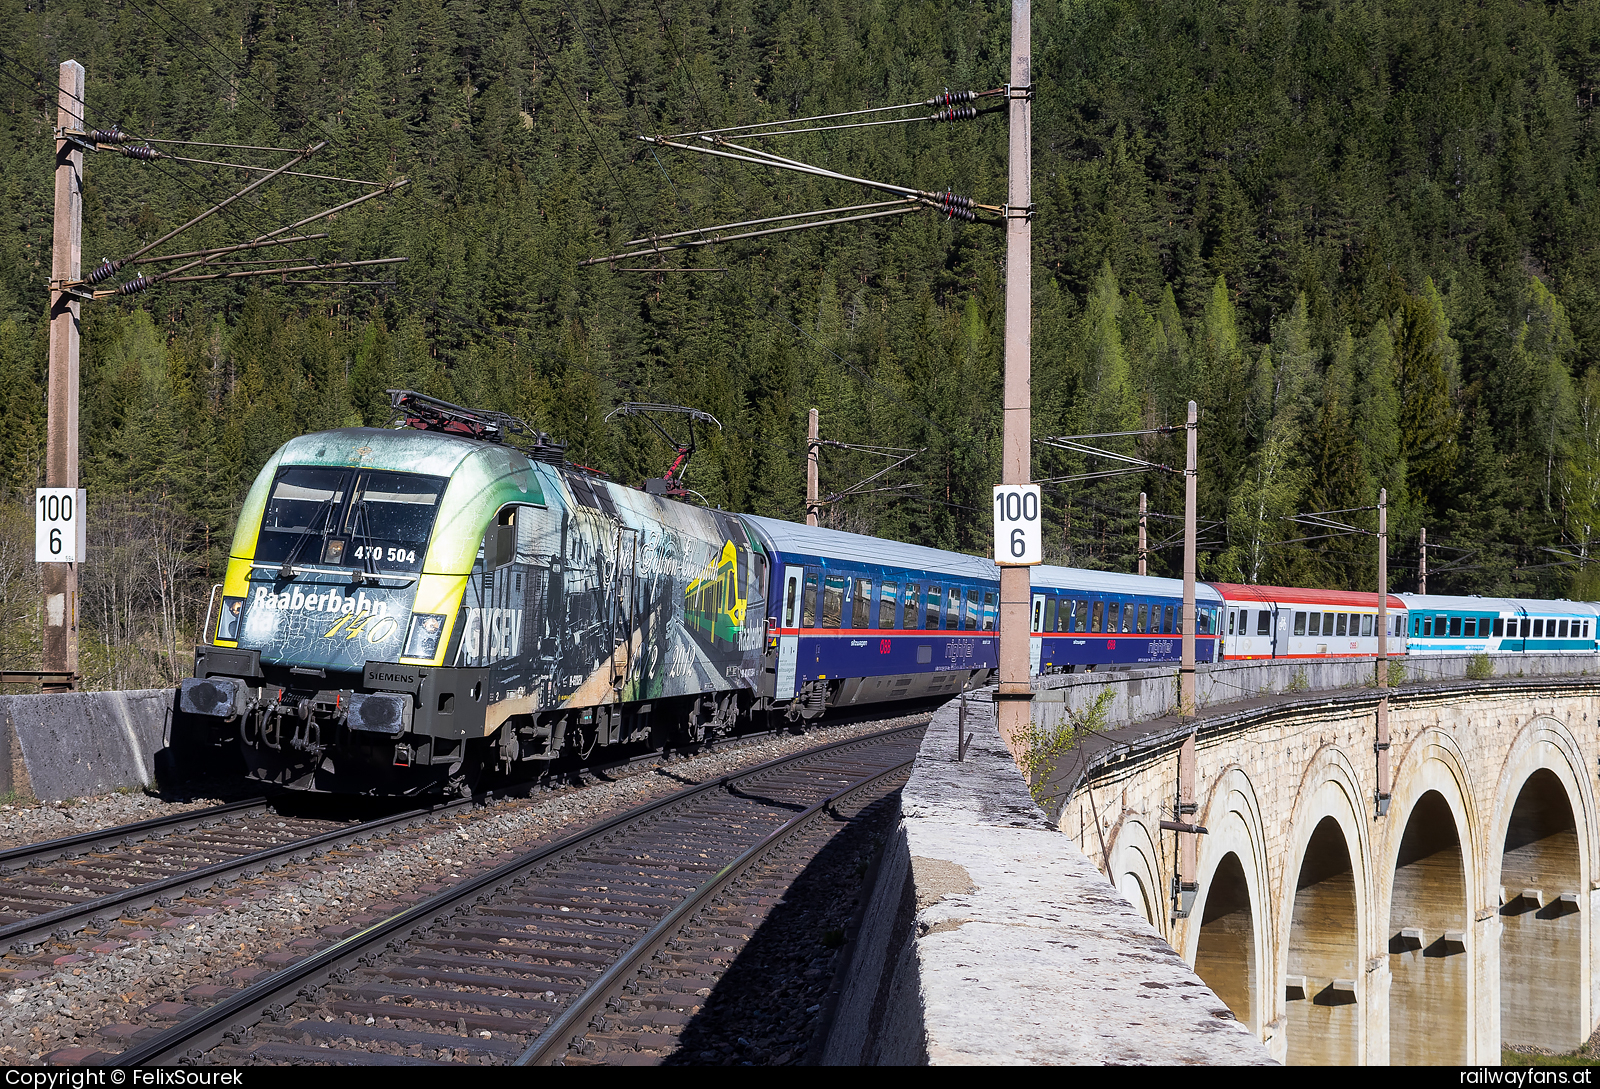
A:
(955, 113)
(108, 136)
(952, 98)
(106, 269)
(145, 153)
(135, 285)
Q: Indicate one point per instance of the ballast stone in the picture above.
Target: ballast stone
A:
(990, 939)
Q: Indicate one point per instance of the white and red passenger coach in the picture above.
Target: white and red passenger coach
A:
(1287, 622)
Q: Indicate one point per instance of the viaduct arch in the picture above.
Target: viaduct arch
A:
(1457, 921)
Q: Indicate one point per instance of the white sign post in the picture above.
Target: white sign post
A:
(58, 526)
(1018, 527)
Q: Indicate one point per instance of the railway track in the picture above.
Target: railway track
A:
(56, 888)
(593, 949)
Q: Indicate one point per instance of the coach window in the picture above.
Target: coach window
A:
(1233, 618)
(1080, 618)
(1299, 623)
(932, 610)
(1099, 608)
(1316, 624)
(1366, 624)
(1166, 620)
(1113, 610)
(1049, 614)
(1127, 619)
(832, 601)
(1563, 633)
(1264, 622)
(952, 610)
(1142, 619)
(1527, 626)
(969, 622)
(808, 618)
(889, 605)
(988, 610)
(1455, 627)
(1470, 627)
(1538, 628)
(861, 614)
(1499, 627)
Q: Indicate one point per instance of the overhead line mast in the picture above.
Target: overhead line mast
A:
(69, 289)
(1013, 697)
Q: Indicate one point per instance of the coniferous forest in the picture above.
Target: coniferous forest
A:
(1361, 235)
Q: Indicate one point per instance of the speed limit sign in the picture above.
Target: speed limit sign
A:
(1018, 536)
(58, 526)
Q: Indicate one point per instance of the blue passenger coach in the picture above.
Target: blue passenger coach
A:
(858, 619)
(1442, 624)
(1101, 619)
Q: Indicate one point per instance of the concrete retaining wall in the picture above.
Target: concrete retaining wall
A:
(990, 939)
(1143, 694)
(71, 744)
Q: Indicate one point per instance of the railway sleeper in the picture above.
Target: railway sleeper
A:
(377, 1034)
(403, 996)
(486, 980)
(471, 1020)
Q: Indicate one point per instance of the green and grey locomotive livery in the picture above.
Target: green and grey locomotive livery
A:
(406, 608)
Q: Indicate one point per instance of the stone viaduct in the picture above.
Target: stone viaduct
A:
(1458, 921)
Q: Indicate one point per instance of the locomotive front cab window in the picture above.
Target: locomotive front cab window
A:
(368, 519)
(808, 617)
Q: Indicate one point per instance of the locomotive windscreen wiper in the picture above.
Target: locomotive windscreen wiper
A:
(319, 518)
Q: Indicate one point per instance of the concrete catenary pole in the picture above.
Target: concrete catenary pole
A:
(1016, 688)
(1381, 745)
(60, 650)
(1143, 511)
(812, 506)
(1422, 562)
(1191, 472)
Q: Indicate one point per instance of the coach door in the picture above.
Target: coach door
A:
(788, 620)
(1035, 643)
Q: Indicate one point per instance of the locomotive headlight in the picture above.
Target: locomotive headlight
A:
(422, 640)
